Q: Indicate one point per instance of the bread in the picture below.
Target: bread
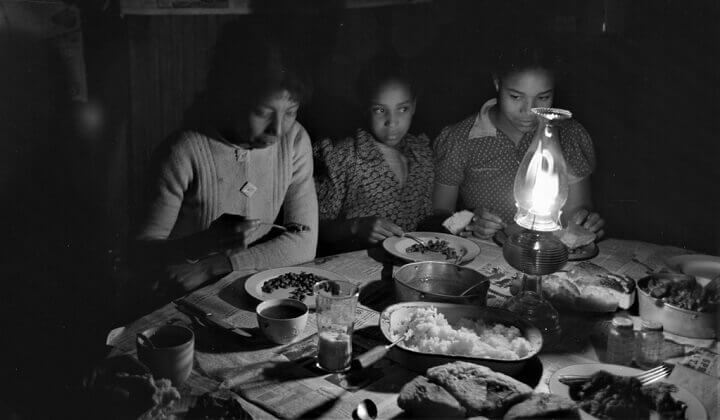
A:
(543, 406)
(458, 221)
(575, 236)
(479, 389)
(422, 398)
(589, 287)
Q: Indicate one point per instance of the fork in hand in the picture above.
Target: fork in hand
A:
(646, 378)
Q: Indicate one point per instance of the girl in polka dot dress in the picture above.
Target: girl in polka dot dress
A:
(477, 158)
(379, 182)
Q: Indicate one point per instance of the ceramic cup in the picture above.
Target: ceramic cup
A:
(172, 357)
(282, 320)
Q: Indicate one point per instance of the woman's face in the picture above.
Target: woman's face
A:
(266, 122)
(391, 111)
(521, 91)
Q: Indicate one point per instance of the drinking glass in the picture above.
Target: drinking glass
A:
(336, 301)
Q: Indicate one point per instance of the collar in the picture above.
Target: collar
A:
(367, 149)
(483, 127)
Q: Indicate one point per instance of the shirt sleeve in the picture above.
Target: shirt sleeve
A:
(170, 176)
(450, 161)
(331, 175)
(578, 151)
(300, 207)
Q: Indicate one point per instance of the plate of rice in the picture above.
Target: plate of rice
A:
(496, 338)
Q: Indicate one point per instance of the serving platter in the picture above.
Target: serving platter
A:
(578, 254)
(703, 267)
(394, 317)
(254, 283)
(695, 409)
(398, 245)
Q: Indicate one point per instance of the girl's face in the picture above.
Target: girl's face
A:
(267, 121)
(519, 92)
(391, 111)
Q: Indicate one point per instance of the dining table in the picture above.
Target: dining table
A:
(282, 381)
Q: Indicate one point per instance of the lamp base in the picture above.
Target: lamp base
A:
(534, 308)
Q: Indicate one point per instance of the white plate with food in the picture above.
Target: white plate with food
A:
(703, 267)
(288, 282)
(439, 247)
(694, 411)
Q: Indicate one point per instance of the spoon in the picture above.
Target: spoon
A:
(365, 410)
(471, 288)
(376, 353)
(145, 340)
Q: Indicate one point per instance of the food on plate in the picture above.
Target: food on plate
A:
(685, 293)
(544, 406)
(301, 284)
(163, 399)
(608, 396)
(575, 236)
(432, 333)
(481, 390)
(589, 287)
(427, 399)
(438, 245)
(458, 221)
(461, 389)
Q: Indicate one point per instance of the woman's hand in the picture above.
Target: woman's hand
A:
(590, 221)
(373, 230)
(226, 232)
(483, 225)
(190, 275)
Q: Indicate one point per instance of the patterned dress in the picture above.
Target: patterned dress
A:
(354, 180)
(482, 161)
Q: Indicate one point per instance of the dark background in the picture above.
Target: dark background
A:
(642, 77)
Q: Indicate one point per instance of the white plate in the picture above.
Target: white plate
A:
(254, 283)
(695, 409)
(397, 245)
(703, 267)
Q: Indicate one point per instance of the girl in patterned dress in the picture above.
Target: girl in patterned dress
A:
(377, 183)
(477, 158)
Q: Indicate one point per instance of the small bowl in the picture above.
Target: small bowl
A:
(436, 281)
(676, 320)
(282, 320)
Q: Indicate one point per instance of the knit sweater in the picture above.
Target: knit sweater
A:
(197, 178)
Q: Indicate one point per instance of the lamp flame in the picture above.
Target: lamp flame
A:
(541, 184)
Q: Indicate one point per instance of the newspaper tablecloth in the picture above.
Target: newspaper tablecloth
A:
(282, 381)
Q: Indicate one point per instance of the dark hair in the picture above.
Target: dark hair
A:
(248, 64)
(525, 55)
(381, 70)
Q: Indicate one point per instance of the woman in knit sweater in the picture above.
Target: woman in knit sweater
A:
(215, 189)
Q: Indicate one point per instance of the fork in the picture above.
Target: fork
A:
(416, 239)
(646, 378)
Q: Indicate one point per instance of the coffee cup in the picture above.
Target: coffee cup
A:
(168, 352)
(282, 320)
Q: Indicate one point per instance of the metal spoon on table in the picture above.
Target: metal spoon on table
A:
(365, 410)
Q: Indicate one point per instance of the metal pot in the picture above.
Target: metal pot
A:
(676, 320)
(436, 281)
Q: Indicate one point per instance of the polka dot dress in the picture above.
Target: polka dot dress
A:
(483, 168)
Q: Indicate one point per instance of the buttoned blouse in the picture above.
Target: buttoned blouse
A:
(482, 161)
(354, 180)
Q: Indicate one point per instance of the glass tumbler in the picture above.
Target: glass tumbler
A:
(336, 301)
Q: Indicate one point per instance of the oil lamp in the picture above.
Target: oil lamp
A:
(541, 189)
